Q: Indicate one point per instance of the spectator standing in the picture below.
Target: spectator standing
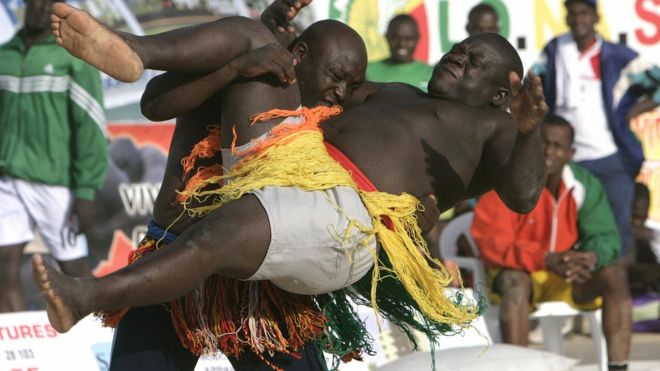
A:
(563, 250)
(402, 37)
(482, 18)
(591, 82)
(53, 153)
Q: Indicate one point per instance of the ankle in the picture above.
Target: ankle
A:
(617, 366)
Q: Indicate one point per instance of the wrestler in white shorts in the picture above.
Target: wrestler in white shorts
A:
(26, 205)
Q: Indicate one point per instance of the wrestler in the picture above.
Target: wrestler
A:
(496, 142)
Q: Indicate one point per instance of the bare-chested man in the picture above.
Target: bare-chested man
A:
(433, 146)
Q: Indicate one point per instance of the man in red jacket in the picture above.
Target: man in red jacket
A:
(563, 250)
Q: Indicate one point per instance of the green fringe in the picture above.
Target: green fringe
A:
(347, 332)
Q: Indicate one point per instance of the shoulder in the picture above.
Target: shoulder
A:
(617, 52)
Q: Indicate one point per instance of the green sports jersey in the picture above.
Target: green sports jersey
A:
(414, 73)
(52, 122)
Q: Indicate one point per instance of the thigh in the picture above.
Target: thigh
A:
(50, 207)
(15, 223)
(145, 340)
(308, 361)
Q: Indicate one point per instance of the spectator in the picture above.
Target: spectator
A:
(644, 271)
(482, 18)
(402, 37)
(52, 150)
(564, 249)
(593, 84)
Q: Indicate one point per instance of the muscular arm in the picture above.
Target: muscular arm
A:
(170, 95)
(515, 162)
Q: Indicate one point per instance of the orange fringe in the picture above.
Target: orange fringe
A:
(206, 148)
(278, 134)
(198, 181)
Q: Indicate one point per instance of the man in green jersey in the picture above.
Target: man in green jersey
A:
(52, 150)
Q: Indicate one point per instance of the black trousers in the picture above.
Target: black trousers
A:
(145, 340)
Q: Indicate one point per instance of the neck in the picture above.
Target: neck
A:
(30, 37)
(552, 184)
(391, 60)
(583, 43)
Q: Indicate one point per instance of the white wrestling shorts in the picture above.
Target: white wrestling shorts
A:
(316, 246)
(28, 205)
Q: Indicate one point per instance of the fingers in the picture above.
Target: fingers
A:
(578, 274)
(514, 81)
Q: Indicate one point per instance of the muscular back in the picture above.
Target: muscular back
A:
(405, 141)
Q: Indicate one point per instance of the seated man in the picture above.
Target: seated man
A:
(435, 146)
(564, 249)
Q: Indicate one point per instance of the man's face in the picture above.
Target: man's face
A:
(581, 18)
(483, 22)
(468, 73)
(640, 212)
(37, 15)
(329, 74)
(557, 148)
(402, 38)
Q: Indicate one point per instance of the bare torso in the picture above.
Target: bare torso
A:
(405, 141)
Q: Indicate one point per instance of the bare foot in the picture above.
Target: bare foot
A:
(60, 292)
(84, 37)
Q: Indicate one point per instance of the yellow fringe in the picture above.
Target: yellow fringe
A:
(299, 159)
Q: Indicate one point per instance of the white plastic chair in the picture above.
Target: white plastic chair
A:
(551, 315)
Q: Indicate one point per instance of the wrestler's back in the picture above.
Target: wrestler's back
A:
(405, 141)
(189, 130)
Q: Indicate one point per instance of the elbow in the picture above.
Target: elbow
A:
(524, 203)
(150, 110)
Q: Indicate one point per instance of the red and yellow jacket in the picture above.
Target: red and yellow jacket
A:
(580, 217)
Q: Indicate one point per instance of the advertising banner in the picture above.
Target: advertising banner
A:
(136, 164)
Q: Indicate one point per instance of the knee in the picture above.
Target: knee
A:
(613, 281)
(513, 285)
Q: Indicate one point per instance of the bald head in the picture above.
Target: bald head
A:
(509, 59)
(332, 60)
(476, 72)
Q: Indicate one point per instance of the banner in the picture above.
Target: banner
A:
(647, 128)
(136, 164)
(527, 24)
(29, 343)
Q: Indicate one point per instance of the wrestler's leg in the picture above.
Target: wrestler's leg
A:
(232, 240)
(198, 49)
(136, 348)
(308, 360)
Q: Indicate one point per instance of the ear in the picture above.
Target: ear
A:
(501, 97)
(571, 153)
(300, 50)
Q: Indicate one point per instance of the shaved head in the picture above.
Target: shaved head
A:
(332, 61)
